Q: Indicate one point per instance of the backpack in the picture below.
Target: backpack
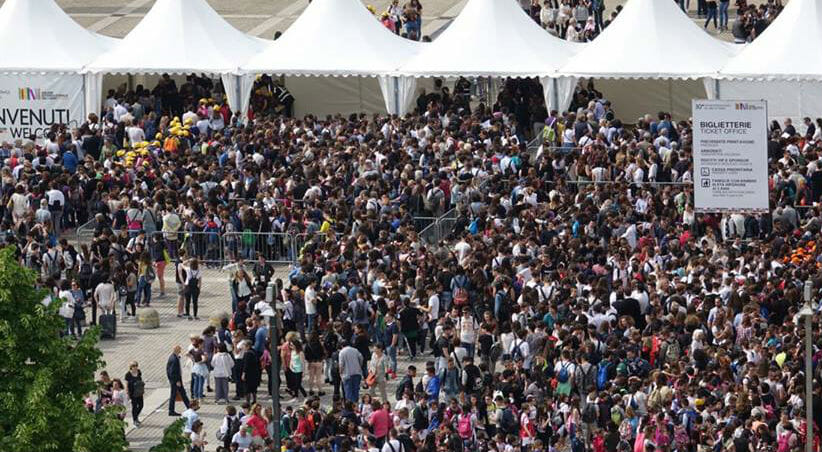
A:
(360, 312)
(85, 271)
(400, 391)
(589, 377)
(233, 427)
(563, 374)
(460, 292)
(150, 275)
(139, 388)
(577, 445)
(508, 422)
(516, 351)
(784, 442)
(464, 426)
(602, 374)
(589, 414)
(672, 353)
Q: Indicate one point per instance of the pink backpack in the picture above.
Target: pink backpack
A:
(464, 426)
(784, 442)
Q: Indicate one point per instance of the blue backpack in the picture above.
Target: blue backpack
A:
(602, 374)
(563, 375)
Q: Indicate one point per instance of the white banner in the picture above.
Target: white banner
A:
(30, 104)
(730, 155)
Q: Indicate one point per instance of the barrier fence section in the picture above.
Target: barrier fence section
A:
(275, 247)
(85, 232)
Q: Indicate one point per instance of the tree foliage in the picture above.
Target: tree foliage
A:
(174, 440)
(102, 432)
(43, 377)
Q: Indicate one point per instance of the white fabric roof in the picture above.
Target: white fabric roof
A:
(787, 50)
(651, 39)
(492, 38)
(38, 36)
(334, 38)
(179, 36)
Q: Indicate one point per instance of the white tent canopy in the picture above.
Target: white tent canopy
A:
(787, 50)
(178, 37)
(651, 39)
(494, 38)
(655, 41)
(38, 36)
(782, 65)
(336, 38)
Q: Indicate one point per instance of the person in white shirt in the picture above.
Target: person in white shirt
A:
(311, 305)
(393, 444)
(519, 349)
(222, 364)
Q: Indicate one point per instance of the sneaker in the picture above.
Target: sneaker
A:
(179, 316)
(196, 318)
(174, 414)
(137, 424)
(190, 317)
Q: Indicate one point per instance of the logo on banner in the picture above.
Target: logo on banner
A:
(29, 93)
(747, 106)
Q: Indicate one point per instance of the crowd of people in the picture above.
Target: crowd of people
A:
(575, 303)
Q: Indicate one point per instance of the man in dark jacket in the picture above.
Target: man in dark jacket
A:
(175, 379)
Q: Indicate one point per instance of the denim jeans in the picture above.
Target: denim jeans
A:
(392, 358)
(351, 388)
(312, 320)
(723, 13)
(143, 291)
(469, 348)
(197, 382)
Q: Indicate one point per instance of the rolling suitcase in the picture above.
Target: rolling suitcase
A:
(108, 326)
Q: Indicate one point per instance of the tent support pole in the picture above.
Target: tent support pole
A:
(555, 94)
(716, 88)
(397, 109)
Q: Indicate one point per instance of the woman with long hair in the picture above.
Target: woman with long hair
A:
(193, 282)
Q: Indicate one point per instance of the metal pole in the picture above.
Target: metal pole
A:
(274, 346)
(555, 95)
(397, 109)
(808, 384)
(807, 312)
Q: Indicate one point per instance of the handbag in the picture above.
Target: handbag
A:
(371, 379)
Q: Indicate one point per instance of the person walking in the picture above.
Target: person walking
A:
(350, 363)
(377, 366)
(297, 365)
(723, 14)
(174, 372)
(222, 363)
(135, 389)
(712, 10)
(250, 372)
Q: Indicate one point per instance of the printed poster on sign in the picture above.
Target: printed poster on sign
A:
(31, 104)
(730, 146)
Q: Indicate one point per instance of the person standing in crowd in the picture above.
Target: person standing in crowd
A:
(135, 388)
(222, 364)
(192, 283)
(174, 372)
(350, 363)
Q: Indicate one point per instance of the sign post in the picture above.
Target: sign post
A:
(730, 146)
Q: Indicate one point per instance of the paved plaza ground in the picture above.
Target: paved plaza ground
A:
(151, 348)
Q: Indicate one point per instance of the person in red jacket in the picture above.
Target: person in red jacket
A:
(257, 422)
(305, 427)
